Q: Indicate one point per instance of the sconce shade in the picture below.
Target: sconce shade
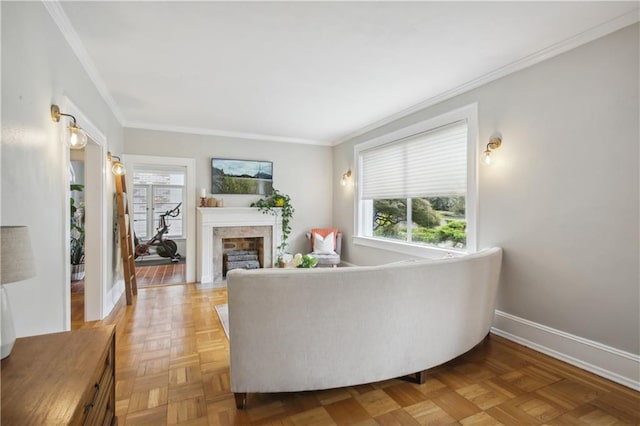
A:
(17, 255)
(345, 176)
(118, 168)
(77, 138)
(486, 159)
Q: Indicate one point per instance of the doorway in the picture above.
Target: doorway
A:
(159, 192)
(99, 297)
(77, 236)
(157, 185)
(86, 188)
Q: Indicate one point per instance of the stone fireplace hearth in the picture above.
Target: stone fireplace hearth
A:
(216, 224)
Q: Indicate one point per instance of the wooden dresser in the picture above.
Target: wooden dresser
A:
(61, 378)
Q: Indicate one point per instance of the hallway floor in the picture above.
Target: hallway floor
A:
(173, 273)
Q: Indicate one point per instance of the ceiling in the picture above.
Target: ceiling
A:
(311, 72)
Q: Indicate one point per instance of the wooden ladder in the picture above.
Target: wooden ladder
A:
(126, 240)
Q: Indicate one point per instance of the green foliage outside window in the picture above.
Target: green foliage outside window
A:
(435, 220)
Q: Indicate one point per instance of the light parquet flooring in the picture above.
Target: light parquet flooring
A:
(172, 367)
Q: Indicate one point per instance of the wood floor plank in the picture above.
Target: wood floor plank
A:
(404, 394)
(172, 367)
(428, 413)
(347, 412)
(397, 417)
(456, 406)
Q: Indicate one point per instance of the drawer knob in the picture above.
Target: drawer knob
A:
(93, 401)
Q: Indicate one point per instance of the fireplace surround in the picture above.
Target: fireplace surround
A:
(218, 223)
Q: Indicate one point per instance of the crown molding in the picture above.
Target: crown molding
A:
(224, 133)
(62, 21)
(587, 36)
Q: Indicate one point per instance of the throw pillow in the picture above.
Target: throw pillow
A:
(323, 245)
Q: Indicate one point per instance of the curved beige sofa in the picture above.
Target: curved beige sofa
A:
(307, 329)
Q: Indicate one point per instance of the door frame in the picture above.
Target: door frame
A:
(96, 227)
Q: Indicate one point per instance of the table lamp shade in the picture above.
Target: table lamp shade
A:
(16, 258)
(16, 255)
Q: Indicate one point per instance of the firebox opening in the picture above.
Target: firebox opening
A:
(245, 253)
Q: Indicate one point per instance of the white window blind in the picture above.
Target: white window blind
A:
(429, 164)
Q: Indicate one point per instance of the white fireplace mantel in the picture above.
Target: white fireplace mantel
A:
(209, 218)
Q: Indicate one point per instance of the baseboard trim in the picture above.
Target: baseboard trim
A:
(113, 296)
(605, 361)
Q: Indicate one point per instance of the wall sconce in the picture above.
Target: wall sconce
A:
(76, 138)
(345, 177)
(117, 167)
(494, 143)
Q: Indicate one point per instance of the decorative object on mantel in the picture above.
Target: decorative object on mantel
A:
(212, 202)
(17, 265)
(203, 197)
(274, 204)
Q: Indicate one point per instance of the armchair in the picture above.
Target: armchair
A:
(321, 242)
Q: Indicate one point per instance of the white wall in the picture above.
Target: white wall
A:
(38, 69)
(562, 196)
(304, 172)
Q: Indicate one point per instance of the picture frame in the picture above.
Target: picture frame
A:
(233, 176)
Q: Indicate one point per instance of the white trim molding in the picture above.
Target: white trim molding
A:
(611, 363)
(224, 133)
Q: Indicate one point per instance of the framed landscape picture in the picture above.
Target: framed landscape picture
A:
(241, 176)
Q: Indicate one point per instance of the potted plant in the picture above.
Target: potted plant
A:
(276, 204)
(77, 236)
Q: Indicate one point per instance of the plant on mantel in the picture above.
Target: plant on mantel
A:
(276, 204)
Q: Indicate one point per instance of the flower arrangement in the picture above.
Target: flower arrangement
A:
(304, 261)
(276, 204)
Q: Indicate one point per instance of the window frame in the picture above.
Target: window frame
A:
(468, 113)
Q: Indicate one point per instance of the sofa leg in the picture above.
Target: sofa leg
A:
(241, 400)
(419, 378)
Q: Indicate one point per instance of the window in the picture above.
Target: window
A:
(156, 190)
(416, 187)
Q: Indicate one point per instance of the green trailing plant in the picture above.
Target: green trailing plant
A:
(278, 204)
(307, 261)
(77, 228)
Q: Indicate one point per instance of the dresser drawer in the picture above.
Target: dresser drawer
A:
(103, 392)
